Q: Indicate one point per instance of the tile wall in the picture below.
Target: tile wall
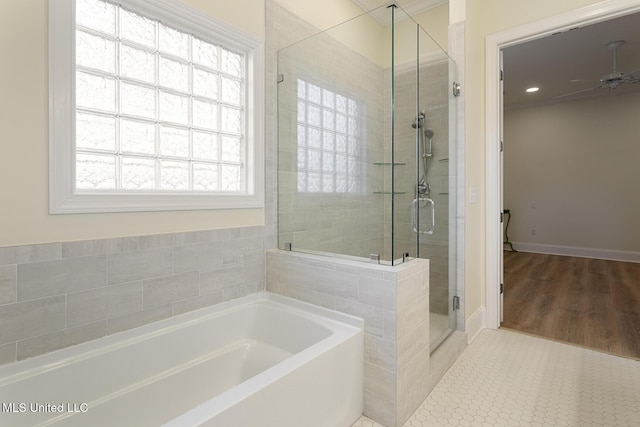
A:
(334, 222)
(394, 301)
(434, 101)
(60, 294)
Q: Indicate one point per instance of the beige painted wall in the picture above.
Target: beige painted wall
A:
(367, 36)
(434, 21)
(484, 18)
(577, 163)
(24, 187)
(364, 35)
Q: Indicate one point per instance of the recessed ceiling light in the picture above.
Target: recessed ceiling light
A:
(533, 89)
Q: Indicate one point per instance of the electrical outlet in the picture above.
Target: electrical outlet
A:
(534, 231)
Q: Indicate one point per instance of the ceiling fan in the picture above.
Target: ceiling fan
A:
(612, 80)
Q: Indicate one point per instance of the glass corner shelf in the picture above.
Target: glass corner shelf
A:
(389, 192)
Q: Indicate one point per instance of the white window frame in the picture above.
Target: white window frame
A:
(63, 197)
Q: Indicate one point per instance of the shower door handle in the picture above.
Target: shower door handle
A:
(415, 206)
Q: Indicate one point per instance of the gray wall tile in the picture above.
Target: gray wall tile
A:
(409, 289)
(412, 315)
(194, 237)
(340, 284)
(390, 321)
(412, 343)
(125, 298)
(222, 277)
(139, 318)
(144, 264)
(40, 279)
(156, 241)
(87, 306)
(379, 409)
(373, 316)
(29, 253)
(380, 381)
(165, 290)
(190, 304)
(235, 292)
(203, 256)
(99, 247)
(376, 292)
(239, 249)
(8, 284)
(8, 353)
(102, 303)
(29, 318)
(380, 352)
(55, 341)
(255, 270)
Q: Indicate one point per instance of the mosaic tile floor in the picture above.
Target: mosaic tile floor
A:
(509, 379)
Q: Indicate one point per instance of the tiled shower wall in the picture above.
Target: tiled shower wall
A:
(334, 222)
(60, 294)
(434, 101)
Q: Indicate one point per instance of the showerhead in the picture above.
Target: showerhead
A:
(428, 133)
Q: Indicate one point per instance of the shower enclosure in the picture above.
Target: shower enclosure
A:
(366, 126)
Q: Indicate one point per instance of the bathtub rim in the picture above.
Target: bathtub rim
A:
(43, 363)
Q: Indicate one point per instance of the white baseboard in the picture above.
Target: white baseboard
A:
(476, 323)
(609, 254)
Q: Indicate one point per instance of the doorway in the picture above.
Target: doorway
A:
(496, 42)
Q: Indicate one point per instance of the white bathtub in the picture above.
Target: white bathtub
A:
(262, 360)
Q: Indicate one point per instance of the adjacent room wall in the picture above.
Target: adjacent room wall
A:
(571, 174)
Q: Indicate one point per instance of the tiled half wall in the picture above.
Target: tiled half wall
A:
(394, 302)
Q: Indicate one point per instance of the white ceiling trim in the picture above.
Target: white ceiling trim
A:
(411, 7)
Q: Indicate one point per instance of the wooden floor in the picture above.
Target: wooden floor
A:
(590, 302)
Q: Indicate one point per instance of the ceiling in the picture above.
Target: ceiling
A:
(551, 63)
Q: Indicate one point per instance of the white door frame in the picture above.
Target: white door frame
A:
(494, 43)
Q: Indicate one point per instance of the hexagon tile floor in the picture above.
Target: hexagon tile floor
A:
(509, 379)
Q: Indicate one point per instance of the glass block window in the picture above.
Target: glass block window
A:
(329, 144)
(156, 108)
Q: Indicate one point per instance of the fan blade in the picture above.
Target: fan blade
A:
(582, 81)
(577, 92)
(633, 74)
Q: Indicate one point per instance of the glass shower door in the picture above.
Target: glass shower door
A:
(429, 120)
